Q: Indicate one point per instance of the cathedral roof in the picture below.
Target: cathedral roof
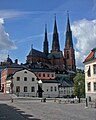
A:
(36, 53)
(55, 55)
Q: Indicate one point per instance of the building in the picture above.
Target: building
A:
(6, 71)
(24, 83)
(90, 75)
(55, 59)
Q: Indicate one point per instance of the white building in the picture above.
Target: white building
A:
(90, 75)
(24, 83)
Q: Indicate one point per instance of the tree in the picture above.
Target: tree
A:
(79, 85)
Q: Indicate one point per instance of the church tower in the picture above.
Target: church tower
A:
(69, 50)
(45, 45)
(55, 42)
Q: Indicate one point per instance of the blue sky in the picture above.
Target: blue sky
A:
(22, 23)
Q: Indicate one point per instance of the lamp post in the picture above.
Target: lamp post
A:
(40, 88)
(11, 86)
(79, 91)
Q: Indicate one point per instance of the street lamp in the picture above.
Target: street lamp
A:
(79, 91)
(11, 86)
(40, 88)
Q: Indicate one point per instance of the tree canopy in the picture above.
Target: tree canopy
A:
(79, 84)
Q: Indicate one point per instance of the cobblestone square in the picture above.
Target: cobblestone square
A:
(54, 111)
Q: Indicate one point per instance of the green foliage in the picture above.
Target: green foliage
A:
(79, 84)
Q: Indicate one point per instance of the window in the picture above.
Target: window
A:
(89, 86)
(32, 89)
(89, 72)
(25, 71)
(25, 78)
(51, 89)
(52, 75)
(94, 69)
(94, 86)
(18, 78)
(43, 75)
(17, 88)
(33, 79)
(48, 75)
(25, 88)
(39, 75)
(55, 88)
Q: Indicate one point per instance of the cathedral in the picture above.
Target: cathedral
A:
(55, 59)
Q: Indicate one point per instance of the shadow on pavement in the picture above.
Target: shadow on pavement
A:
(10, 113)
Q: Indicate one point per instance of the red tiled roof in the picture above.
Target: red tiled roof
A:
(90, 56)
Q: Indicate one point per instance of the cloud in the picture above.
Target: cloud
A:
(5, 42)
(85, 33)
(6, 14)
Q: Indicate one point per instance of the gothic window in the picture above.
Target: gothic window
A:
(94, 69)
(89, 86)
(67, 54)
(89, 72)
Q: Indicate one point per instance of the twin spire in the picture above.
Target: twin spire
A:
(55, 41)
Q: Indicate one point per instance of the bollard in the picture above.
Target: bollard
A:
(86, 103)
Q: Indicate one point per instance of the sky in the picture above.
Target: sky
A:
(22, 24)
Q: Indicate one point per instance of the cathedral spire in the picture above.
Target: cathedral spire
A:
(69, 52)
(68, 23)
(68, 42)
(55, 26)
(45, 45)
(55, 42)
